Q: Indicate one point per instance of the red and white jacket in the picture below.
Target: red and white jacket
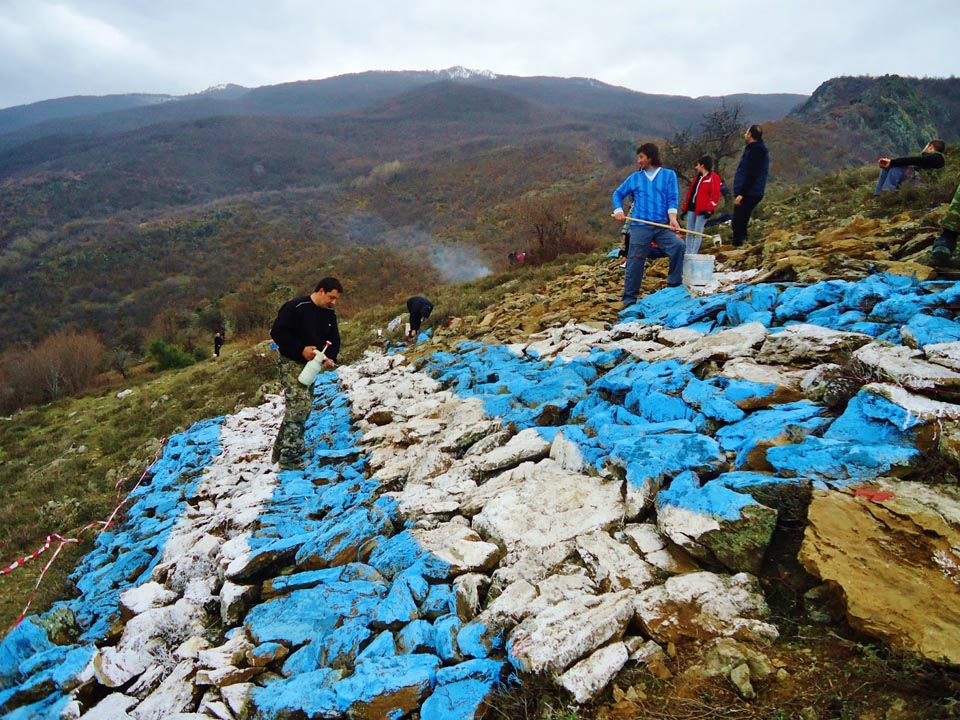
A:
(708, 194)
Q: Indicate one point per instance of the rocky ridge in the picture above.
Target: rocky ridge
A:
(571, 493)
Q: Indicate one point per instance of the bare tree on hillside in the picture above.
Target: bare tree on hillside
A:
(722, 130)
(555, 232)
(681, 153)
(246, 312)
(720, 137)
(62, 364)
(67, 362)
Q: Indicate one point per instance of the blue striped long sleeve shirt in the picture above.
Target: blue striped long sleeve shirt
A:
(653, 199)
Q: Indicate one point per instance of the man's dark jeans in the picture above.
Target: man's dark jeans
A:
(741, 216)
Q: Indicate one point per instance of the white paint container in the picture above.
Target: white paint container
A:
(697, 269)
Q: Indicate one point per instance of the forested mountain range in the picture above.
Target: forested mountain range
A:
(134, 216)
(348, 93)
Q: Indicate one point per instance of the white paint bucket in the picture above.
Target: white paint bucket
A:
(697, 269)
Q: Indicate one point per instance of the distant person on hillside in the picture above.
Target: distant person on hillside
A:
(419, 308)
(301, 330)
(750, 182)
(896, 171)
(944, 245)
(217, 343)
(656, 197)
(703, 196)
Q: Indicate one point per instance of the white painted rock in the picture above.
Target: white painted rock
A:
(946, 354)
(526, 445)
(703, 605)
(591, 675)
(542, 505)
(145, 597)
(803, 345)
(566, 632)
(614, 565)
(175, 694)
(902, 365)
(656, 550)
(112, 707)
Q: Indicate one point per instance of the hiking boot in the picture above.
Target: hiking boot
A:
(940, 255)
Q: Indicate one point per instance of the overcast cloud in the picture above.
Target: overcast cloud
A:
(57, 48)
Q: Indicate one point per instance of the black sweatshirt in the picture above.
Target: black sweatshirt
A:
(927, 161)
(419, 308)
(300, 323)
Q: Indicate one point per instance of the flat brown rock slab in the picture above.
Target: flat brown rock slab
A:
(892, 549)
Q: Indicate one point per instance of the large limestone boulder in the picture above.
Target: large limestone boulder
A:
(714, 523)
(615, 565)
(543, 505)
(803, 345)
(903, 365)
(591, 675)
(891, 550)
(736, 342)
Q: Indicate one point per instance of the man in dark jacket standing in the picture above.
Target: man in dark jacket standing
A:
(750, 182)
(419, 308)
(302, 329)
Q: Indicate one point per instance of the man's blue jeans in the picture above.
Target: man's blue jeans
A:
(891, 178)
(640, 238)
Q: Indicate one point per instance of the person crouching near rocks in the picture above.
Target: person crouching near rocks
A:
(301, 330)
(419, 308)
(656, 195)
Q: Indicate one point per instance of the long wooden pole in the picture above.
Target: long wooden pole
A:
(661, 225)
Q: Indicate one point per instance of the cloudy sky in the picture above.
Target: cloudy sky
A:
(57, 48)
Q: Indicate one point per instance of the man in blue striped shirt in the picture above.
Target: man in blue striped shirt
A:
(656, 196)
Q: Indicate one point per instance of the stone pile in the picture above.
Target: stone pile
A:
(569, 504)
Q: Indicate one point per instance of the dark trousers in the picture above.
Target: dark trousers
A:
(640, 238)
(289, 448)
(741, 217)
(947, 239)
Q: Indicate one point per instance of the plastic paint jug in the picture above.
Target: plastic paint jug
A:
(697, 269)
(310, 371)
(313, 368)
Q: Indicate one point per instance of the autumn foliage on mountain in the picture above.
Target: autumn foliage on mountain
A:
(149, 218)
